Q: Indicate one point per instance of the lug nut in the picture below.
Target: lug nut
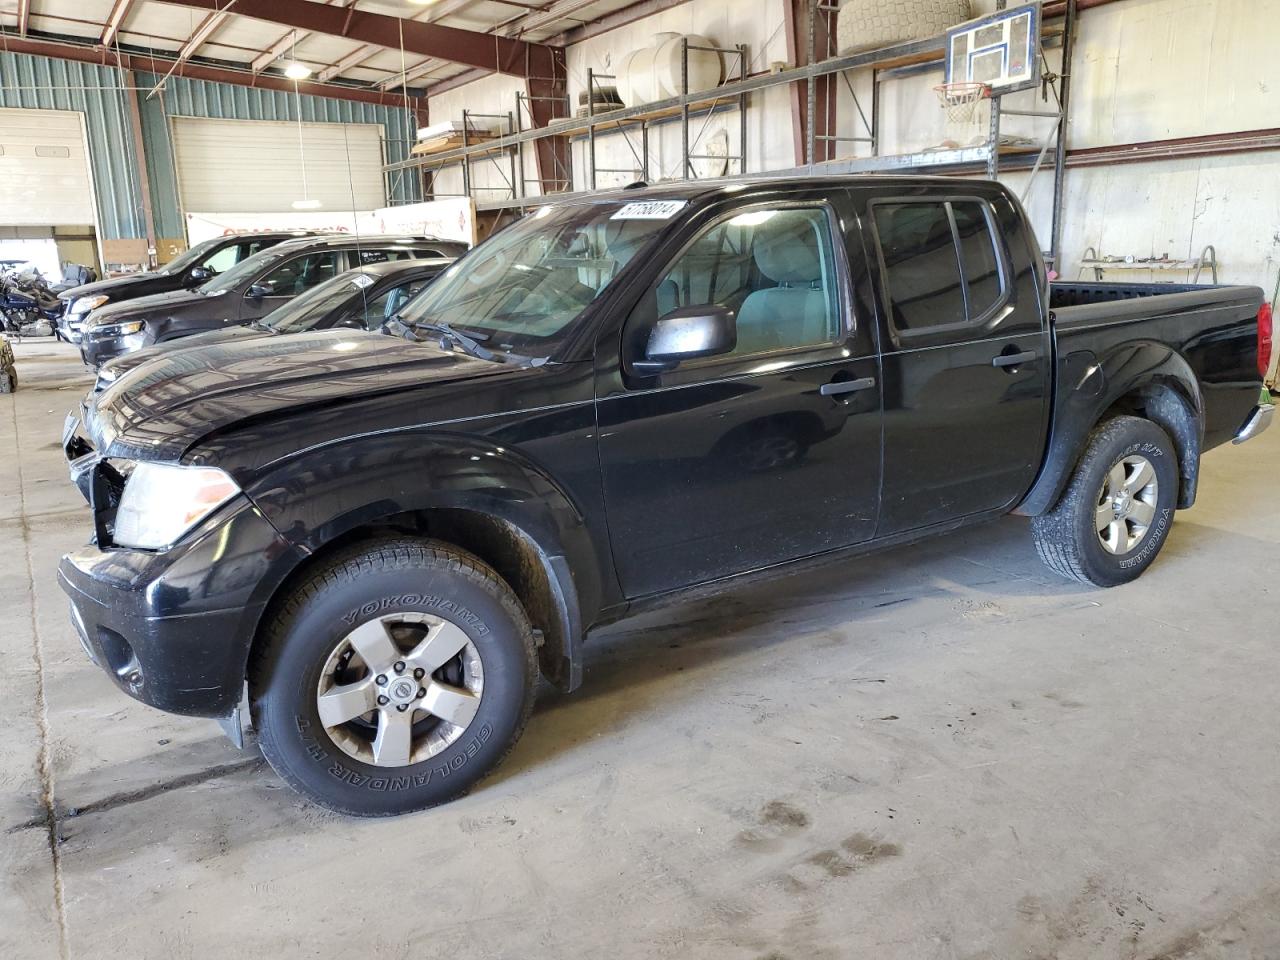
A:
(402, 707)
(419, 674)
(381, 680)
(400, 666)
(422, 692)
(383, 701)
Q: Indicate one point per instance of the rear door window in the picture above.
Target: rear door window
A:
(921, 265)
(302, 273)
(942, 269)
(978, 257)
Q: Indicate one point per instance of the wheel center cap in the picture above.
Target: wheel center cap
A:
(1123, 504)
(403, 690)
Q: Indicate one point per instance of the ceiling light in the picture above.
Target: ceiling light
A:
(422, 3)
(307, 204)
(296, 71)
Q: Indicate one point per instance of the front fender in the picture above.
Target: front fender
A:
(320, 496)
(1089, 385)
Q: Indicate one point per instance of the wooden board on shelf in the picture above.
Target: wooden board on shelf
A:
(451, 142)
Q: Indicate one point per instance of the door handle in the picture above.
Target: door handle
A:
(838, 387)
(1013, 359)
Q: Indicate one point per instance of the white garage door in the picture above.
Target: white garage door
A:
(44, 169)
(254, 166)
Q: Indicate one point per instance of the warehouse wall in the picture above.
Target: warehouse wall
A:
(95, 91)
(99, 93)
(184, 97)
(1144, 70)
(757, 24)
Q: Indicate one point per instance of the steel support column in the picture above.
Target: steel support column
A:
(548, 100)
(813, 102)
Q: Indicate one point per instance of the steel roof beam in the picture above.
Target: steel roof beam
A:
(518, 58)
(202, 33)
(115, 20)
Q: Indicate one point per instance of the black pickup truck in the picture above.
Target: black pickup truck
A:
(610, 403)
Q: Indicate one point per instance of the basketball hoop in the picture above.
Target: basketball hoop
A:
(961, 100)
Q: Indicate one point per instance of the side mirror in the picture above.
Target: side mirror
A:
(689, 333)
(258, 291)
(351, 323)
(200, 274)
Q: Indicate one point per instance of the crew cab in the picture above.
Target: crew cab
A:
(364, 298)
(251, 289)
(610, 403)
(190, 269)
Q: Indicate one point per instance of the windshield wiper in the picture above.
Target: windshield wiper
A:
(469, 343)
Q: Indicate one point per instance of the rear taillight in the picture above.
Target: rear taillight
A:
(1265, 324)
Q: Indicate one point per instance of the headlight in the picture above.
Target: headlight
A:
(117, 329)
(85, 304)
(108, 373)
(162, 501)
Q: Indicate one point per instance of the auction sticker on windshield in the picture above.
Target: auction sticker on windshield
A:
(650, 210)
(362, 280)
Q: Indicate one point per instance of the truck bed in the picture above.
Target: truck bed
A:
(1124, 343)
(1073, 302)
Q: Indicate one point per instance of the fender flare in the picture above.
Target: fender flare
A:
(322, 496)
(1088, 386)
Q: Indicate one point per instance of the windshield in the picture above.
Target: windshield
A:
(193, 256)
(305, 311)
(523, 288)
(245, 269)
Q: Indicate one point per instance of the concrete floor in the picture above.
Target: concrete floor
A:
(940, 751)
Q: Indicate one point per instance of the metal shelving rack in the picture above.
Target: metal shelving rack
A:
(885, 62)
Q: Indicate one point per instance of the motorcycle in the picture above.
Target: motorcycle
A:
(27, 306)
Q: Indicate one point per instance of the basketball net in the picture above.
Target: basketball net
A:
(962, 101)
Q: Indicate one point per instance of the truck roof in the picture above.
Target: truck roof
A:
(697, 189)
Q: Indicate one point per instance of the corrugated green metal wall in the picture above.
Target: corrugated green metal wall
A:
(45, 84)
(98, 92)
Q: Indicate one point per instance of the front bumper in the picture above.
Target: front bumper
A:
(173, 629)
(1258, 422)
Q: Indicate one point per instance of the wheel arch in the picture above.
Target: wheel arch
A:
(507, 512)
(1144, 379)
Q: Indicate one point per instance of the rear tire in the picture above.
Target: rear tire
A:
(325, 686)
(1116, 512)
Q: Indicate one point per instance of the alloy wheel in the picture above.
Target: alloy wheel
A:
(399, 689)
(1126, 506)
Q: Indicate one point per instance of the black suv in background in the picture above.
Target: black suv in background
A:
(196, 266)
(248, 291)
(361, 299)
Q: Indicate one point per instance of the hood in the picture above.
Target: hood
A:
(118, 288)
(158, 410)
(145, 307)
(126, 362)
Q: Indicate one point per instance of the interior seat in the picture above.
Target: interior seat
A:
(798, 310)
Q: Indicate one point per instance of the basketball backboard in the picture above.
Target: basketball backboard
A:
(1000, 50)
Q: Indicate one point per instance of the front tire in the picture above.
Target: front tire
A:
(1116, 512)
(393, 678)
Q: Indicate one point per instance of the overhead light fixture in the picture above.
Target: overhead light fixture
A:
(296, 71)
(422, 3)
(307, 204)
